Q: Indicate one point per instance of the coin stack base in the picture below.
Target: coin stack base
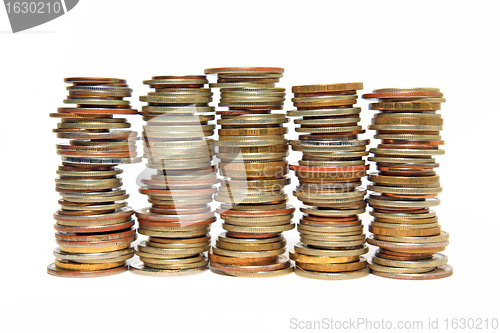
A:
(252, 152)
(330, 172)
(405, 188)
(94, 227)
(178, 148)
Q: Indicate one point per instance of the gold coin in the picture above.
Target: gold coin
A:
(332, 276)
(405, 106)
(249, 247)
(263, 274)
(259, 230)
(334, 268)
(398, 180)
(73, 266)
(248, 254)
(331, 245)
(302, 248)
(96, 249)
(343, 129)
(317, 88)
(253, 131)
(400, 270)
(324, 112)
(397, 90)
(320, 259)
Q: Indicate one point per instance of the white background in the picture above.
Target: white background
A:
(452, 45)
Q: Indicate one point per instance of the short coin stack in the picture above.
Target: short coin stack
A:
(178, 148)
(404, 227)
(252, 150)
(248, 77)
(94, 225)
(330, 171)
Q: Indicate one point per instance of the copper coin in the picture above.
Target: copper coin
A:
(179, 223)
(247, 235)
(264, 213)
(73, 237)
(194, 240)
(386, 254)
(97, 111)
(403, 94)
(97, 243)
(107, 228)
(250, 70)
(240, 261)
(281, 263)
(334, 268)
(52, 270)
(169, 211)
(120, 213)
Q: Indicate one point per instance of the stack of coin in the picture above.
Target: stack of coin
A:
(180, 179)
(332, 241)
(94, 225)
(406, 186)
(245, 77)
(252, 150)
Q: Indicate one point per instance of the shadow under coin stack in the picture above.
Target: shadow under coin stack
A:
(332, 241)
(94, 225)
(252, 150)
(405, 230)
(180, 178)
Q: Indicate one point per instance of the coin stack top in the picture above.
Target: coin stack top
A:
(330, 172)
(94, 225)
(179, 149)
(252, 150)
(406, 186)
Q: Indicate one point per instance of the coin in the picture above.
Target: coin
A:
(141, 269)
(332, 276)
(334, 268)
(438, 273)
(399, 270)
(96, 257)
(435, 261)
(71, 266)
(263, 274)
(397, 93)
(318, 88)
(225, 260)
(280, 264)
(53, 270)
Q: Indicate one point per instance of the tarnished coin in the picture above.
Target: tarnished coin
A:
(53, 270)
(140, 269)
(264, 274)
(332, 276)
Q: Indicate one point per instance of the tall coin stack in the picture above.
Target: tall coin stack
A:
(252, 150)
(332, 241)
(406, 186)
(94, 225)
(180, 178)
